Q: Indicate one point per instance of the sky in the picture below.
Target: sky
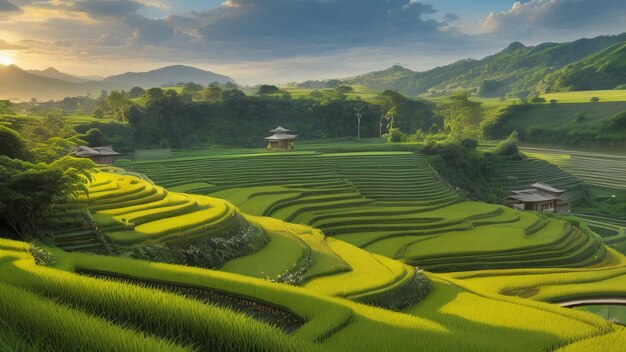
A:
(279, 41)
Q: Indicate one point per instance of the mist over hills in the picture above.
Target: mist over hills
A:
(19, 84)
(52, 72)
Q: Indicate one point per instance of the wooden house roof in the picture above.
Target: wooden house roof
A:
(281, 137)
(85, 152)
(280, 129)
(547, 188)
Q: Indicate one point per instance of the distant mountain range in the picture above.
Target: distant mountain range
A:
(167, 75)
(19, 84)
(53, 73)
(598, 63)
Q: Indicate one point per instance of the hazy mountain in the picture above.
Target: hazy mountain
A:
(167, 76)
(19, 84)
(16, 83)
(52, 72)
(90, 77)
(516, 70)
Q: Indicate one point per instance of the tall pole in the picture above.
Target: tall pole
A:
(359, 114)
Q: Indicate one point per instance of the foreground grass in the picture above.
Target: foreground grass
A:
(459, 315)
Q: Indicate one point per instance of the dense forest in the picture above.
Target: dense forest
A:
(208, 116)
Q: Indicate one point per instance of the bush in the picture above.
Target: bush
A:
(553, 101)
(469, 143)
(394, 135)
(509, 146)
(42, 256)
(595, 99)
(538, 100)
(580, 118)
(618, 122)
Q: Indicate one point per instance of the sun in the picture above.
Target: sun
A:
(6, 60)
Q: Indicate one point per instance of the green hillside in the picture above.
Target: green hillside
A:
(514, 71)
(603, 70)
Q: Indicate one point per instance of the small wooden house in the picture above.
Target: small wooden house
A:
(541, 197)
(99, 155)
(281, 139)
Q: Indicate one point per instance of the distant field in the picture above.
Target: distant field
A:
(365, 93)
(73, 120)
(585, 96)
(564, 115)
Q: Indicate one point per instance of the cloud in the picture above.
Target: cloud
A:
(535, 17)
(7, 46)
(107, 8)
(450, 17)
(287, 27)
(6, 6)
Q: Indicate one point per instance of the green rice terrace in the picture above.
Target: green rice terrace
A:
(309, 251)
(603, 173)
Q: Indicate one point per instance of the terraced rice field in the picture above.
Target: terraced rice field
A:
(603, 173)
(520, 174)
(385, 213)
(134, 212)
(131, 210)
(389, 203)
(463, 312)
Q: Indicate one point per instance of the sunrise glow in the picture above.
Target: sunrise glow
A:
(5, 60)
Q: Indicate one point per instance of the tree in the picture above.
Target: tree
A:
(267, 89)
(212, 93)
(386, 101)
(333, 83)
(114, 106)
(316, 94)
(94, 137)
(5, 106)
(11, 143)
(509, 146)
(358, 111)
(232, 93)
(343, 89)
(31, 191)
(618, 122)
(191, 88)
(462, 116)
(136, 92)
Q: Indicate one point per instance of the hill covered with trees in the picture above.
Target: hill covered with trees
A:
(516, 71)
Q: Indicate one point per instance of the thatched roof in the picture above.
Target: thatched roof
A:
(281, 137)
(280, 129)
(85, 152)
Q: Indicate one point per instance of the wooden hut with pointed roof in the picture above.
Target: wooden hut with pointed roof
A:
(99, 155)
(281, 139)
